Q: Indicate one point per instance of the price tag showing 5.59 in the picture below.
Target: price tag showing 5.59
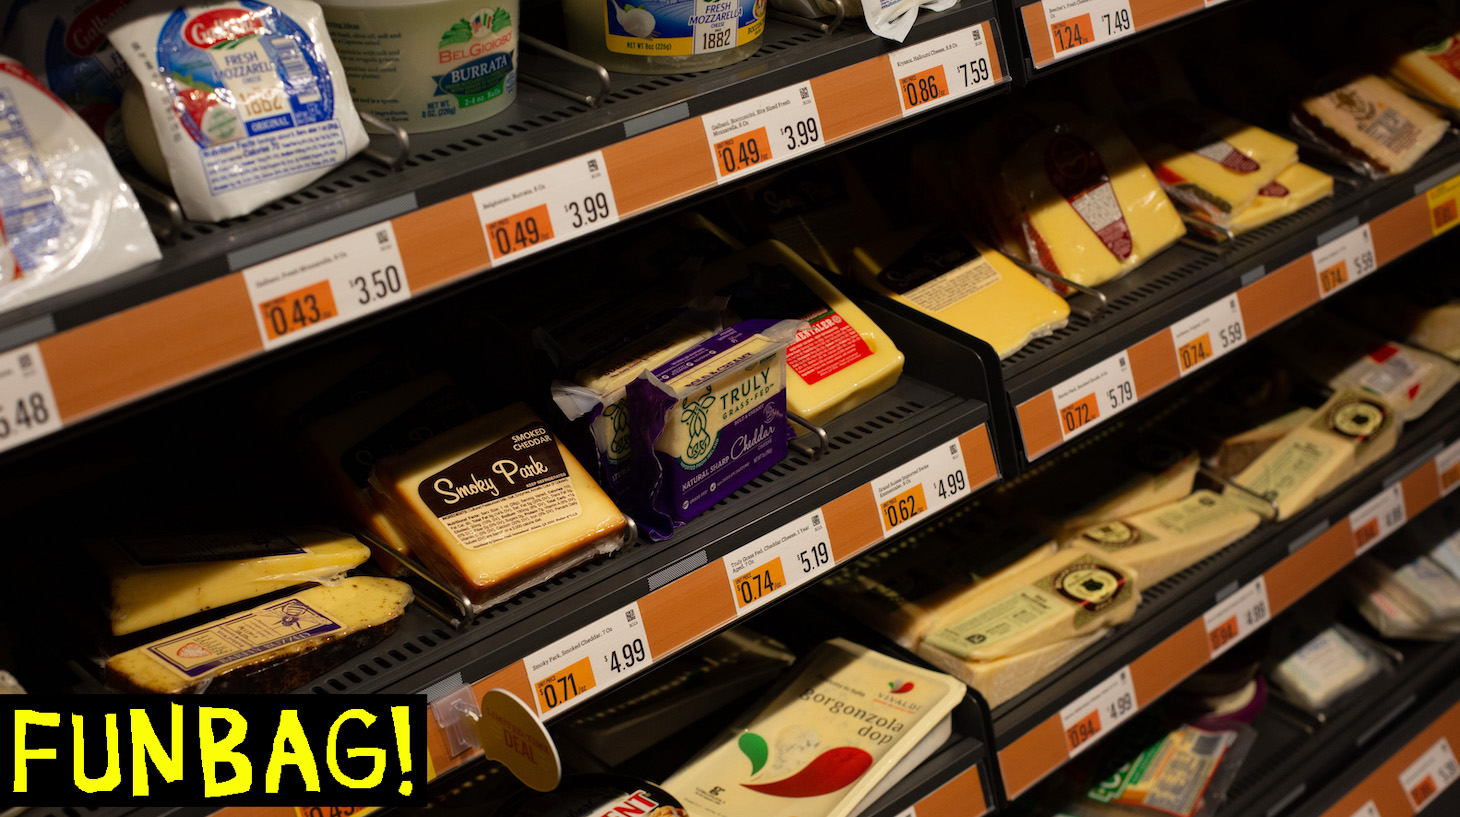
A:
(1374, 520)
(309, 290)
(1431, 774)
(1077, 25)
(764, 131)
(785, 557)
(933, 481)
(1447, 465)
(1344, 260)
(1237, 616)
(536, 210)
(605, 652)
(27, 404)
(1208, 334)
(1094, 395)
(942, 69)
(1110, 703)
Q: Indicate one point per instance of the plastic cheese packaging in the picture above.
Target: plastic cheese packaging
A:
(1166, 540)
(67, 218)
(1427, 320)
(1150, 475)
(1089, 207)
(1176, 775)
(497, 505)
(274, 647)
(821, 742)
(1238, 451)
(1295, 188)
(246, 100)
(708, 421)
(1000, 679)
(1371, 124)
(154, 580)
(1420, 586)
(964, 284)
(1330, 665)
(1431, 70)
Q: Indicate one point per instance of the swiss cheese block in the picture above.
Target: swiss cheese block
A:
(1373, 123)
(1090, 208)
(1295, 188)
(962, 283)
(274, 647)
(1003, 678)
(497, 504)
(1166, 540)
(159, 579)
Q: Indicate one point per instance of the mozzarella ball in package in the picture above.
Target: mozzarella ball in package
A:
(246, 100)
(67, 217)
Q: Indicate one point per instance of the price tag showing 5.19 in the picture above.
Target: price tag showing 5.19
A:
(942, 69)
(1237, 616)
(930, 482)
(534, 211)
(605, 652)
(1431, 774)
(785, 557)
(1109, 704)
(27, 404)
(1094, 395)
(309, 290)
(1374, 520)
(1077, 25)
(764, 131)
(1344, 260)
(1208, 334)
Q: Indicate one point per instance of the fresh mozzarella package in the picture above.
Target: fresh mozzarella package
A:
(247, 102)
(67, 217)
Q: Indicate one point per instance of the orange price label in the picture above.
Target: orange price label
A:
(1449, 477)
(904, 506)
(1444, 211)
(1424, 791)
(1080, 413)
(1073, 32)
(924, 87)
(760, 582)
(333, 811)
(520, 231)
(1366, 533)
(299, 309)
(1083, 730)
(1223, 633)
(1333, 277)
(1195, 352)
(565, 684)
(742, 150)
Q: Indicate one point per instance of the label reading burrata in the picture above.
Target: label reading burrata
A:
(214, 646)
(676, 28)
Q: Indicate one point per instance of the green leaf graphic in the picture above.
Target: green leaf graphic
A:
(755, 748)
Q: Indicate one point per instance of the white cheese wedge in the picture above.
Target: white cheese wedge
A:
(1166, 540)
(1001, 679)
(1372, 123)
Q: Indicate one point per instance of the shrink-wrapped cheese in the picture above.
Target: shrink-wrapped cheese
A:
(1372, 124)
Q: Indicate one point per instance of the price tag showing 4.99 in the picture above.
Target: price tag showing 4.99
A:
(1094, 395)
(27, 404)
(1344, 260)
(764, 131)
(309, 290)
(942, 69)
(1208, 334)
(1374, 520)
(1098, 711)
(605, 652)
(535, 211)
(1431, 774)
(1237, 616)
(1077, 25)
(785, 557)
(931, 482)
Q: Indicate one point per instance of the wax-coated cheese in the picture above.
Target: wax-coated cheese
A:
(497, 504)
(962, 283)
(1295, 188)
(1372, 123)
(274, 647)
(159, 579)
(1002, 678)
(1166, 540)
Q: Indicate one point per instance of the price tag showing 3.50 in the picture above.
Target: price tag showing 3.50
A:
(602, 654)
(928, 483)
(536, 210)
(764, 131)
(1208, 334)
(309, 290)
(942, 69)
(1237, 616)
(1109, 704)
(1431, 774)
(1344, 260)
(1094, 395)
(785, 557)
(27, 404)
(1374, 520)
(1447, 465)
(1077, 25)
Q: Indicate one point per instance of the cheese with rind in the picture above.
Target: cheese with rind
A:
(1166, 540)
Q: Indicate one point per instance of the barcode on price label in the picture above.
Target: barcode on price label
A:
(1094, 395)
(309, 290)
(1431, 774)
(1344, 260)
(1447, 464)
(942, 69)
(1208, 334)
(1098, 711)
(786, 557)
(608, 651)
(27, 403)
(537, 210)
(1237, 616)
(764, 131)
(1374, 520)
(931, 482)
(1078, 25)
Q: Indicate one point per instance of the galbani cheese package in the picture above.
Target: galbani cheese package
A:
(247, 102)
(1374, 126)
(67, 217)
(821, 742)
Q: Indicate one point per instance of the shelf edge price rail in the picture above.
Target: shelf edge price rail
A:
(1094, 714)
(1059, 29)
(1447, 467)
(788, 556)
(1208, 334)
(27, 403)
(1411, 779)
(537, 210)
(929, 483)
(580, 665)
(1237, 616)
(944, 68)
(764, 131)
(1373, 521)
(1344, 260)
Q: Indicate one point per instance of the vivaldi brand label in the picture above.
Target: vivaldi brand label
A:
(213, 646)
(1077, 173)
(939, 271)
(30, 216)
(665, 28)
(514, 486)
(166, 550)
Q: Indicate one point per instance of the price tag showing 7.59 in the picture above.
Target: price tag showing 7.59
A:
(1208, 334)
(930, 482)
(942, 69)
(1094, 395)
(605, 652)
(764, 131)
(1237, 616)
(1109, 704)
(1344, 260)
(27, 403)
(536, 210)
(785, 557)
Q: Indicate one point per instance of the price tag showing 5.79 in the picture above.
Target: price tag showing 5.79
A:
(1094, 395)
(309, 290)
(1344, 260)
(1098, 711)
(933, 481)
(536, 210)
(942, 69)
(1431, 774)
(764, 131)
(1237, 616)
(27, 404)
(785, 557)
(1374, 520)
(605, 652)
(1208, 334)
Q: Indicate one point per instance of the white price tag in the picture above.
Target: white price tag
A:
(1109, 704)
(1237, 616)
(1344, 260)
(931, 482)
(911, 812)
(1208, 334)
(1094, 395)
(1367, 810)
(1431, 774)
(1447, 465)
(537, 210)
(942, 69)
(27, 404)
(1078, 25)
(577, 667)
(787, 556)
(1374, 520)
(335, 281)
(763, 131)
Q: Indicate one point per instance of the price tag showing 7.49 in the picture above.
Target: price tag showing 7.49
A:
(1344, 260)
(942, 69)
(930, 482)
(1094, 395)
(605, 652)
(785, 557)
(536, 210)
(764, 131)
(27, 404)
(1109, 704)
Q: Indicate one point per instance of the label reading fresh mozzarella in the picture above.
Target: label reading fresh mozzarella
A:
(537, 210)
(1094, 395)
(942, 69)
(1237, 616)
(1431, 774)
(930, 482)
(1208, 334)
(27, 404)
(309, 290)
(1447, 465)
(763, 131)
(1344, 260)
(1098, 711)
(1078, 25)
(1374, 520)
(573, 668)
(787, 556)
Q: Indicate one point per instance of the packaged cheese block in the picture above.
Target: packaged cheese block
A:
(1239, 450)
(820, 743)
(999, 680)
(274, 647)
(1166, 540)
(1295, 188)
(1427, 592)
(497, 505)
(1424, 319)
(154, 580)
(1426, 52)
(1372, 124)
(974, 289)
(1089, 207)
(708, 421)
(1329, 666)
(1065, 500)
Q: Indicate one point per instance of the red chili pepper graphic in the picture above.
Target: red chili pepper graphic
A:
(832, 770)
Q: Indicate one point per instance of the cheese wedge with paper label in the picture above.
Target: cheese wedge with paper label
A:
(1238, 451)
(1065, 500)
(1374, 125)
(1166, 540)
(274, 647)
(155, 580)
(1002, 678)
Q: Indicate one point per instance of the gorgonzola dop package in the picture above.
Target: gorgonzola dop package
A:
(247, 102)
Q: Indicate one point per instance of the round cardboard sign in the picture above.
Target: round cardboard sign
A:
(512, 735)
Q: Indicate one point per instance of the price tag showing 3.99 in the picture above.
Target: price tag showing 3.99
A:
(942, 69)
(27, 404)
(1208, 334)
(1431, 774)
(1094, 395)
(1077, 25)
(1237, 616)
(536, 210)
(933, 481)
(1344, 260)
(604, 653)
(309, 290)
(764, 131)
(1109, 704)
(1374, 520)
(785, 557)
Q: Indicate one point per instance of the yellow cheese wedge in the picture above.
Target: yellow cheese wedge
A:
(1070, 498)
(156, 580)
(497, 504)
(1372, 122)
(1091, 209)
(962, 283)
(1433, 69)
(274, 647)
(1166, 540)
(1002, 678)
(1295, 188)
